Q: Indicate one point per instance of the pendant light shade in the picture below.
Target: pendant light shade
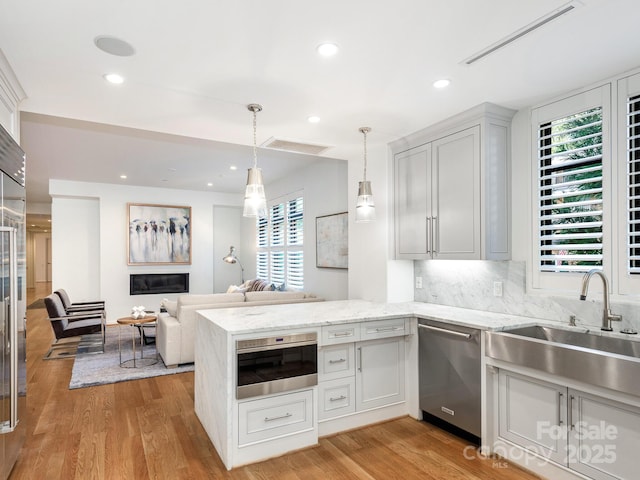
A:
(255, 202)
(365, 208)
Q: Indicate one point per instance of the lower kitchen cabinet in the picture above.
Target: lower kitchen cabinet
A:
(379, 372)
(272, 417)
(357, 376)
(590, 434)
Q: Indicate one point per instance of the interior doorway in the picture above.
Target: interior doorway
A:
(39, 258)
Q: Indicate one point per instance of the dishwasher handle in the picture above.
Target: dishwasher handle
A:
(446, 331)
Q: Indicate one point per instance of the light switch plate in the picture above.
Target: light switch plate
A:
(497, 289)
(418, 282)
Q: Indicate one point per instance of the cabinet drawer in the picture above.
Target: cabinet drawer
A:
(336, 397)
(343, 333)
(336, 361)
(395, 327)
(275, 416)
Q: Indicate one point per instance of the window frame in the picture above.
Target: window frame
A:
(283, 248)
(574, 104)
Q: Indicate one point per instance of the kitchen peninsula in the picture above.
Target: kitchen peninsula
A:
(351, 335)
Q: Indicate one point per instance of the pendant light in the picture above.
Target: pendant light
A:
(365, 208)
(255, 203)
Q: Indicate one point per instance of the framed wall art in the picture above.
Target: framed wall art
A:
(158, 234)
(332, 248)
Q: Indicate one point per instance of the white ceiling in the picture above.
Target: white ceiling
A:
(198, 63)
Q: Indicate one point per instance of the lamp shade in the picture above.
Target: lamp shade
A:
(255, 202)
(365, 208)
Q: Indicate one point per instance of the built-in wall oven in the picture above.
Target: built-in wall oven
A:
(276, 364)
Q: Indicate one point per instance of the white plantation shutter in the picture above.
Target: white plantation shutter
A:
(633, 184)
(570, 192)
(280, 239)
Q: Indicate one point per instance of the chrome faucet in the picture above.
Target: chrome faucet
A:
(607, 316)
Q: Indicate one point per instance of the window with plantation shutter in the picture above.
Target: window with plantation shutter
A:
(570, 192)
(280, 241)
(633, 184)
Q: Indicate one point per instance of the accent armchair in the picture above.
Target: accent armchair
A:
(70, 307)
(88, 325)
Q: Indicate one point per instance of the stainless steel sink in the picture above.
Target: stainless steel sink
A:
(609, 362)
(621, 346)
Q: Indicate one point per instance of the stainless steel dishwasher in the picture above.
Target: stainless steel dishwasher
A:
(449, 369)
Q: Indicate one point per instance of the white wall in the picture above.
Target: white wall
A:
(373, 274)
(325, 193)
(227, 223)
(90, 241)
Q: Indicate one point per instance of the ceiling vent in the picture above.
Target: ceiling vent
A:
(293, 146)
(558, 12)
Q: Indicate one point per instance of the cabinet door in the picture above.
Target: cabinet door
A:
(532, 414)
(603, 438)
(379, 373)
(412, 178)
(455, 191)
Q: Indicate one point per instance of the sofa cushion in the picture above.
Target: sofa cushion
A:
(258, 285)
(171, 306)
(274, 295)
(210, 298)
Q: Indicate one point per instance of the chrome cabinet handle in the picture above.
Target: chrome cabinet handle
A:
(560, 396)
(343, 334)
(359, 359)
(389, 329)
(571, 425)
(428, 234)
(271, 419)
(434, 233)
(336, 399)
(340, 360)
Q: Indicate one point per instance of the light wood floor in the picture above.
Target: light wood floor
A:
(147, 429)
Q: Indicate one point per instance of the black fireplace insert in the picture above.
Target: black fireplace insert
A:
(150, 283)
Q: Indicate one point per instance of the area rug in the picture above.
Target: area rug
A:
(39, 303)
(103, 368)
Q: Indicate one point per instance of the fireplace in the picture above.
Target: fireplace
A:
(150, 283)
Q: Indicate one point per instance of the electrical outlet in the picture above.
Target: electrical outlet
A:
(497, 289)
(418, 282)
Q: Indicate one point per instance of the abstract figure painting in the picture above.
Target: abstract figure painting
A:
(159, 234)
(332, 249)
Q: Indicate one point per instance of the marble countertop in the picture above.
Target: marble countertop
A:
(254, 319)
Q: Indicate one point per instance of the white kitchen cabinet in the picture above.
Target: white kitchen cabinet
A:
(603, 437)
(451, 188)
(275, 416)
(358, 376)
(589, 434)
(531, 414)
(379, 373)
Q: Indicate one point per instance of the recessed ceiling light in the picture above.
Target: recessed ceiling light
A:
(123, 177)
(114, 46)
(209, 184)
(327, 49)
(442, 83)
(313, 119)
(232, 167)
(114, 78)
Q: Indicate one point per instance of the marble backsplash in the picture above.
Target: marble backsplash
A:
(469, 284)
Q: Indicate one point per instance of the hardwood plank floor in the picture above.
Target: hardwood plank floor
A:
(147, 429)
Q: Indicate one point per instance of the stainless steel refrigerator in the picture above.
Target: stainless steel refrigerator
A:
(13, 378)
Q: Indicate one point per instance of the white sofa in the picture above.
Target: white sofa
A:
(175, 334)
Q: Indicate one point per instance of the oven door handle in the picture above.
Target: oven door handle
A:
(280, 346)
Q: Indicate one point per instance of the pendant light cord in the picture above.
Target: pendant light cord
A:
(364, 131)
(255, 152)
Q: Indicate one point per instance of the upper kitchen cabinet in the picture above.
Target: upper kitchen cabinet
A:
(451, 188)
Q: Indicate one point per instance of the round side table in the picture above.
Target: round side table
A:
(135, 322)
